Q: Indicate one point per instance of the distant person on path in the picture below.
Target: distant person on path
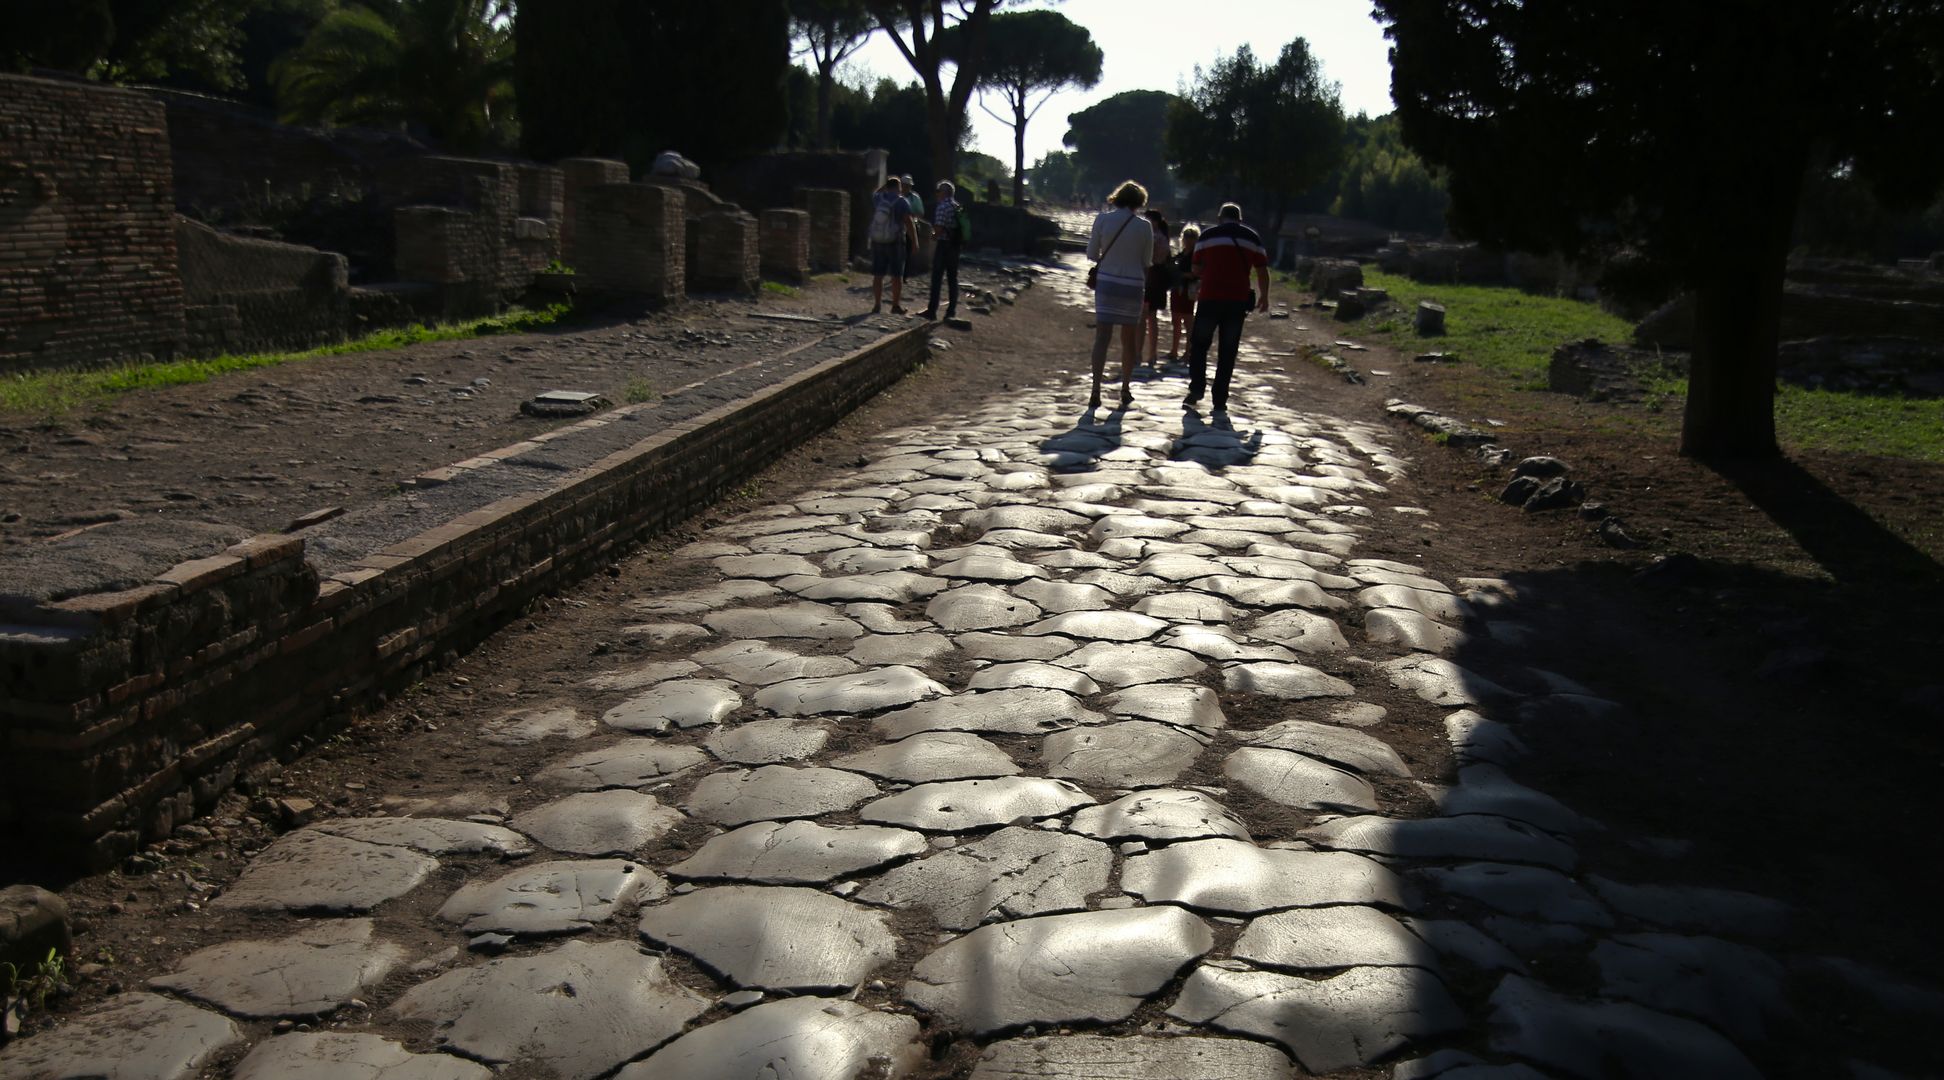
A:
(951, 226)
(1224, 255)
(1121, 247)
(920, 230)
(1181, 298)
(1156, 296)
(892, 235)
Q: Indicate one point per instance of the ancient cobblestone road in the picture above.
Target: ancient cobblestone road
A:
(971, 726)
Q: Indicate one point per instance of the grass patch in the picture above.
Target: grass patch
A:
(780, 289)
(53, 393)
(640, 391)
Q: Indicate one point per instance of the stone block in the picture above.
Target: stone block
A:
(830, 227)
(32, 921)
(727, 252)
(1430, 319)
(633, 239)
(785, 244)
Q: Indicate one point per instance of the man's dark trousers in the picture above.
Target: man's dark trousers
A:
(1211, 317)
(945, 258)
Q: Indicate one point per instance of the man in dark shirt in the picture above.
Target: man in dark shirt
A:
(1224, 256)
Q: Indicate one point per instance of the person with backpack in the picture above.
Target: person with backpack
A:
(951, 230)
(892, 234)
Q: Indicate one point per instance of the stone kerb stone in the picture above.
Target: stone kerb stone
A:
(631, 239)
(785, 244)
(577, 175)
(829, 210)
(727, 252)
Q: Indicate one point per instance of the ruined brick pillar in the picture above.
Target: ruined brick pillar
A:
(632, 239)
(785, 244)
(575, 175)
(829, 227)
(728, 253)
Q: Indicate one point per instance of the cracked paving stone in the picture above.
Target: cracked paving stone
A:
(1099, 626)
(433, 836)
(980, 607)
(932, 756)
(1091, 966)
(1023, 711)
(1455, 937)
(1119, 665)
(561, 897)
(806, 619)
(1158, 815)
(907, 649)
(776, 938)
(1291, 682)
(1221, 643)
(1022, 540)
(1485, 789)
(988, 568)
(684, 703)
(581, 1010)
(1033, 673)
(1131, 1057)
(1170, 703)
(764, 567)
(1071, 559)
(1304, 631)
(1695, 908)
(758, 663)
(804, 1038)
(1135, 526)
(1607, 1039)
(640, 675)
(1474, 836)
(1264, 593)
(883, 587)
(801, 543)
(1441, 682)
(1008, 648)
(340, 1055)
(630, 763)
(1374, 575)
(1739, 990)
(1358, 714)
(1297, 781)
(1061, 597)
(129, 1037)
(1133, 753)
(1180, 568)
(1119, 584)
(883, 619)
(749, 526)
(1441, 606)
(310, 973)
(842, 504)
(868, 560)
(1315, 939)
(1396, 626)
(798, 853)
(528, 726)
(1339, 746)
(768, 742)
(707, 598)
(311, 870)
(1188, 606)
(961, 805)
(1013, 873)
(1347, 1020)
(662, 633)
(613, 822)
(1230, 877)
(859, 692)
(1474, 738)
(776, 792)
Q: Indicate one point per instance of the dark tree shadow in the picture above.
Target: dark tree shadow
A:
(1844, 540)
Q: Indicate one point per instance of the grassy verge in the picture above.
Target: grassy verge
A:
(53, 393)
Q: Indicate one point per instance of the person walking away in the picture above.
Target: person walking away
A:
(951, 228)
(921, 231)
(891, 235)
(1224, 255)
(1181, 298)
(1121, 247)
(1156, 296)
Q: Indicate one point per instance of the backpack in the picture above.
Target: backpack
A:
(964, 227)
(884, 221)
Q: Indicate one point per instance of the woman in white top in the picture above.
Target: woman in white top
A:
(1122, 246)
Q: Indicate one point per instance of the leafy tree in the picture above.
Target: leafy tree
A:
(921, 29)
(1382, 182)
(1272, 128)
(831, 30)
(129, 40)
(1029, 54)
(1055, 176)
(891, 118)
(1122, 137)
(444, 66)
(1683, 130)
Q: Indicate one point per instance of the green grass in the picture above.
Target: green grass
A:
(640, 391)
(780, 289)
(54, 393)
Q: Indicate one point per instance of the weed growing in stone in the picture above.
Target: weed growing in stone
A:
(28, 993)
(639, 391)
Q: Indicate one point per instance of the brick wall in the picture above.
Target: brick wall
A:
(785, 244)
(576, 174)
(244, 295)
(631, 239)
(87, 240)
(726, 250)
(830, 227)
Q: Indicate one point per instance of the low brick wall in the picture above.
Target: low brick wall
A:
(830, 227)
(725, 252)
(785, 244)
(578, 174)
(632, 239)
(127, 712)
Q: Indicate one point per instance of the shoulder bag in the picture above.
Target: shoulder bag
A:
(1093, 272)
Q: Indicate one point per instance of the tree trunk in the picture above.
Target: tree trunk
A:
(826, 75)
(1019, 155)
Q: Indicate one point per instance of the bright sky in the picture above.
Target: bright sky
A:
(1155, 45)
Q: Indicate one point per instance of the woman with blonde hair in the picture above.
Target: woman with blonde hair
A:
(1121, 249)
(1181, 299)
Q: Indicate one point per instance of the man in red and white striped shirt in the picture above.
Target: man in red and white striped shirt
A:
(1224, 257)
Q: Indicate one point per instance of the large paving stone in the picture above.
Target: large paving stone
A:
(919, 649)
(1134, 753)
(612, 822)
(627, 764)
(758, 663)
(580, 1010)
(980, 607)
(765, 526)
(1013, 873)
(1171, 703)
(1264, 593)
(1474, 836)
(1099, 626)
(798, 853)
(767, 742)
(310, 870)
(1474, 738)
(764, 567)
(1291, 682)
(799, 543)
(1411, 630)
(1131, 1057)
(1135, 526)
(806, 1038)
(1231, 877)
(1119, 665)
(931, 756)
(1091, 966)
(1297, 781)
(1064, 596)
(865, 691)
(561, 897)
(775, 792)
(1532, 892)
(1188, 606)
(312, 972)
(1316, 939)
(989, 568)
(1304, 631)
(808, 620)
(882, 619)
(1162, 814)
(640, 675)
(1441, 682)
(883, 587)
(129, 1037)
(1485, 789)
(1695, 908)
(1607, 1039)
(1737, 989)
(867, 560)
(774, 937)
(1122, 585)
(433, 836)
(1458, 938)
(525, 727)
(1341, 746)
(959, 805)
(343, 1055)
(1180, 568)
(1221, 643)
(1033, 673)
(1435, 604)
(1009, 648)
(1024, 711)
(707, 598)
(1347, 1020)
(1029, 517)
(684, 703)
